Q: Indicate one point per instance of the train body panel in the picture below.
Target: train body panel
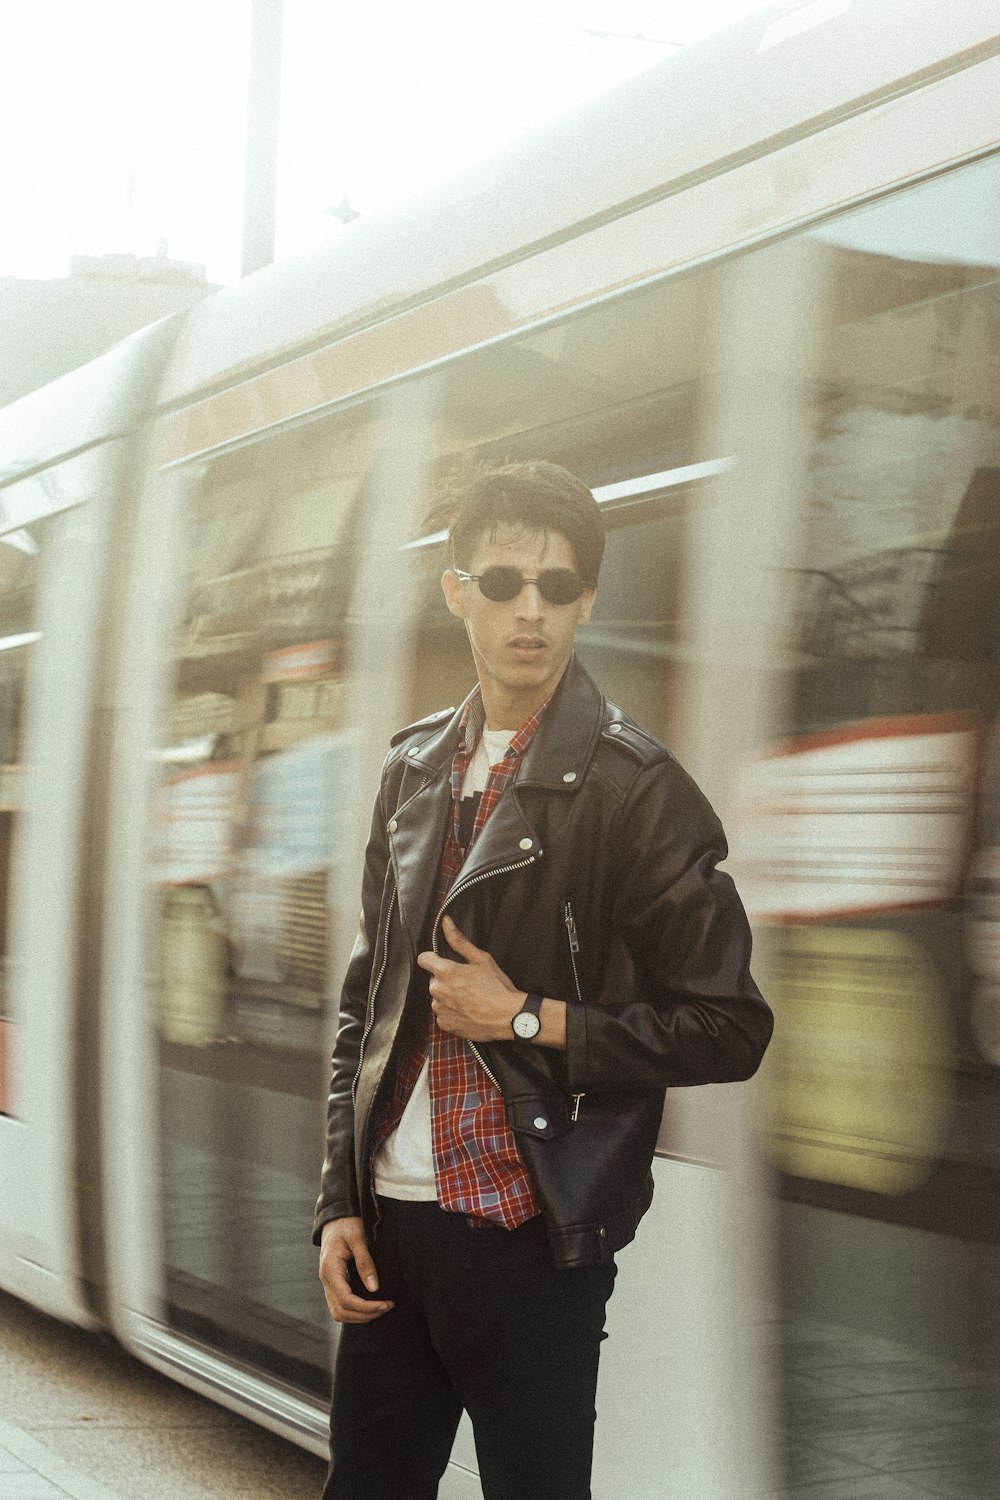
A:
(56, 542)
(93, 404)
(738, 97)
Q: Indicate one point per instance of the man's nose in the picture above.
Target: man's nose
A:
(529, 604)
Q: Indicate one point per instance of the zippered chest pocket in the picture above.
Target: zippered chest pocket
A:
(574, 947)
(573, 940)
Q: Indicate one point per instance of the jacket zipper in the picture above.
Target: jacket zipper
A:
(486, 875)
(574, 948)
(370, 1014)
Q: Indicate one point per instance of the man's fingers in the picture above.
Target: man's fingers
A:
(461, 944)
(345, 1307)
(342, 1243)
(366, 1268)
(436, 1007)
(356, 1249)
(432, 963)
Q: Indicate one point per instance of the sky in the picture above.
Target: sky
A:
(124, 121)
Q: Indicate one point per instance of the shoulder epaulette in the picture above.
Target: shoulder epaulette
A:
(633, 738)
(428, 723)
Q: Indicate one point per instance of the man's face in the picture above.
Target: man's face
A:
(521, 646)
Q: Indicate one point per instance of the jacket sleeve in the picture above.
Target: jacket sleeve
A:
(677, 1003)
(339, 1196)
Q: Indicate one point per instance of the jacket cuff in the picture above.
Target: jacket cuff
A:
(577, 1066)
(345, 1210)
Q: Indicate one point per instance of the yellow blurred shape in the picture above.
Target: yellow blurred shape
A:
(861, 1087)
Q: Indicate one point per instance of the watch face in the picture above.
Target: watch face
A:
(526, 1025)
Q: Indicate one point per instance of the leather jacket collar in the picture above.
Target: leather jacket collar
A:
(557, 759)
(563, 745)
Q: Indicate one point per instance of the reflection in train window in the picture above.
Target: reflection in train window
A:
(614, 394)
(256, 767)
(898, 604)
(898, 624)
(630, 645)
(886, 1105)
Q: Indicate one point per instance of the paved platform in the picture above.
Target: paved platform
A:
(30, 1471)
(83, 1420)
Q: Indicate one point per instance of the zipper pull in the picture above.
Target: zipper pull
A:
(576, 1107)
(574, 941)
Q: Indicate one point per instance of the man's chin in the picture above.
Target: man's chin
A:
(524, 676)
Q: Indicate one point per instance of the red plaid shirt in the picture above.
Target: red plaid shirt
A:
(477, 1169)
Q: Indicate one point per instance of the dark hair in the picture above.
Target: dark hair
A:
(539, 496)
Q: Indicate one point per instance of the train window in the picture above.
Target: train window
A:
(19, 564)
(614, 394)
(897, 621)
(256, 760)
(884, 1070)
(631, 642)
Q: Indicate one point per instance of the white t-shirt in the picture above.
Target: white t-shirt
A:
(404, 1165)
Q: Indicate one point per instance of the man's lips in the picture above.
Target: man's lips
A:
(528, 643)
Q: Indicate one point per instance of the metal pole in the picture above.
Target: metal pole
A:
(260, 184)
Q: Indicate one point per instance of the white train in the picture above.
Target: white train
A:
(753, 298)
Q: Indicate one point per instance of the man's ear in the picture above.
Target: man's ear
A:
(586, 605)
(452, 589)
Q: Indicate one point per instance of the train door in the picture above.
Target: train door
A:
(52, 560)
(258, 678)
(877, 862)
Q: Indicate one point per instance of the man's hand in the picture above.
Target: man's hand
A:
(474, 999)
(343, 1241)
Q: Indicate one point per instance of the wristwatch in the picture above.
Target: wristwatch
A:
(526, 1023)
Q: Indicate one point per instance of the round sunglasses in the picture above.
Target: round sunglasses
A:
(501, 584)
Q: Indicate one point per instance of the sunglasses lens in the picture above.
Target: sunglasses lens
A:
(560, 586)
(556, 585)
(500, 584)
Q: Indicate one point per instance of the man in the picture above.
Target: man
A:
(546, 945)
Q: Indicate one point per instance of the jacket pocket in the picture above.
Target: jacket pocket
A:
(573, 941)
(538, 1116)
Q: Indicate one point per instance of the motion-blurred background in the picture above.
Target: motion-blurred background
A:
(738, 269)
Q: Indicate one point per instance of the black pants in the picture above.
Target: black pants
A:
(483, 1320)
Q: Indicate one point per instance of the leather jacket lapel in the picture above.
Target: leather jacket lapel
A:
(557, 758)
(507, 839)
(416, 833)
(416, 829)
(567, 736)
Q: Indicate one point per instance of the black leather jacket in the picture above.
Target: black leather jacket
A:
(594, 881)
